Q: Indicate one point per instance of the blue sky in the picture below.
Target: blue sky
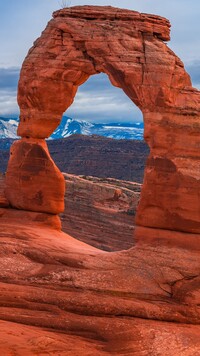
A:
(21, 22)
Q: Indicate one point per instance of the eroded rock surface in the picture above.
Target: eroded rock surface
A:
(59, 295)
(142, 301)
(33, 182)
(3, 200)
(130, 48)
(100, 212)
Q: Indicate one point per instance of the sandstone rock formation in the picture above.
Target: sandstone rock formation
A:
(143, 301)
(61, 296)
(3, 200)
(130, 48)
(33, 182)
(100, 212)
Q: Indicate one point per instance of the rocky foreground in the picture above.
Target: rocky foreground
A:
(98, 211)
(60, 296)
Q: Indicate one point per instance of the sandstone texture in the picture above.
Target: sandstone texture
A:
(100, 212)
(130, 48)
(33, 182)
(60, 295)
(3, 200)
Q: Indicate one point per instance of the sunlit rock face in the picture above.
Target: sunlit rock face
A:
(143, 301)
(130, 48)
(37, 182)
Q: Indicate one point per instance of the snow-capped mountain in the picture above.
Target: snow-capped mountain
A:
(69, 126)
(8, 128)
(119, 131)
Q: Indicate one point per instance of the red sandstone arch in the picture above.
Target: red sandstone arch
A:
(130, 48)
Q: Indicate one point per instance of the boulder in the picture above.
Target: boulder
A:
(33, 182)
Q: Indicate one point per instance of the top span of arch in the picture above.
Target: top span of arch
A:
(82, 41)
(148, 23)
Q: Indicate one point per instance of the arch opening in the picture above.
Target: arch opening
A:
(101, 197)
(130, 48)
(102, 109)
(98, 101)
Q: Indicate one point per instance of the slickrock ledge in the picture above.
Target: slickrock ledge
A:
(55, 290)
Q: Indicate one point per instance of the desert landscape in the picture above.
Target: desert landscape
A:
(121, 275)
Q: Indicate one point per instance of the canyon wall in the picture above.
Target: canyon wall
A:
(110, 158)
(100, 212)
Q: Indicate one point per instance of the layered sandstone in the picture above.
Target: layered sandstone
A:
(75, 45)
(3, 200)
(61, 296)
(33, 182)
(100, 157)
(142, 301)
(130, 48)
(100, 212)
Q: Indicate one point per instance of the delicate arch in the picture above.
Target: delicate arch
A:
(130, 48)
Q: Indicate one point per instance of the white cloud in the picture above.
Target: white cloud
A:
(97, 100)
(8, 104)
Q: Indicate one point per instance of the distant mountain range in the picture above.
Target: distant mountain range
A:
(93, 155)
(8, 127)
(69, 126)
